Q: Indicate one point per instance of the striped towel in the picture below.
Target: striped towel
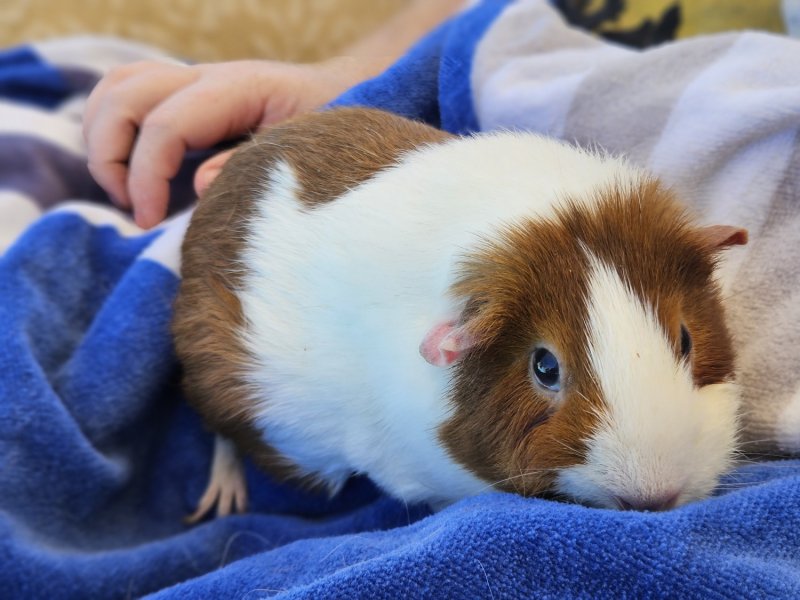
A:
(100, 458)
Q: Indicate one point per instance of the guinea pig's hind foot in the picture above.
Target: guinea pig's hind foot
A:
(227, 487)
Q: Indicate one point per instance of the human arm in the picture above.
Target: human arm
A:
(142, 118)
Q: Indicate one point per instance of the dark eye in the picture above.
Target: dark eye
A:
(544, 367)
(686, 341)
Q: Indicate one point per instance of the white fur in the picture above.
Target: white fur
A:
(658, 434)
(339, 297)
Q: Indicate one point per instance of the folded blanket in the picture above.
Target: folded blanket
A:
(100, 458)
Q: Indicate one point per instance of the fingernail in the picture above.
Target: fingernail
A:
(207, 177)
(140, 220)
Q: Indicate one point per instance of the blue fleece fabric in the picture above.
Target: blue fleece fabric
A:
(27, 80)
(100, 458)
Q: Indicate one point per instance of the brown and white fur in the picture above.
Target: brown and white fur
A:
(363, 294)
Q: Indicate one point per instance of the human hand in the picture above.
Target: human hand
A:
(142, 118)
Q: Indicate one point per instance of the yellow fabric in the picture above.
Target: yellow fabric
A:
(300, 30)
(203, 30)
(707, 16)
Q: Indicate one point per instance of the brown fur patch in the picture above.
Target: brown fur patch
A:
(530, 288)
(330, 153)
(333, 152)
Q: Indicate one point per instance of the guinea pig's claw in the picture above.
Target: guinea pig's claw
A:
(227, 487)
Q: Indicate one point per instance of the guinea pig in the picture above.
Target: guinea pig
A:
(448, 315)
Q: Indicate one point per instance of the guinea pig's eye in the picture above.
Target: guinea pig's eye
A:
(686, 342)
(545, 369)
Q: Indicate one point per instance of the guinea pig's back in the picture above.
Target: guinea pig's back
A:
(376, 263)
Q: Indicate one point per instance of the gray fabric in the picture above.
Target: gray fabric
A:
(44, 172)
(668, 71)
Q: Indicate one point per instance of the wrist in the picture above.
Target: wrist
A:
(347, 71)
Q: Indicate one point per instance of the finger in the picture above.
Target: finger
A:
(108, 147)
(197, 117)
(112, 128)
(155, 160)
(114, 77)
(117, 76)
(207, 172)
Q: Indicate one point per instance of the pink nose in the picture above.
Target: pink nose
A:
(649, 503)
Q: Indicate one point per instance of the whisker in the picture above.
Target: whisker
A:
(521, 480)
(765, 458)
(515, 477)
(750, 442)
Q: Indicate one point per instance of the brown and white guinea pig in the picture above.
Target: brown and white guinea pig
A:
(366, 294)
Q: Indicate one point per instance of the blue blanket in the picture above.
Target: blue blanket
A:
(100, 458)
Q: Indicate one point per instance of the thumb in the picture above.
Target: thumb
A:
(208, 171)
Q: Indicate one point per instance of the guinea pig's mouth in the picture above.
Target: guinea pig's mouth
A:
(655, 503)
(575, 485)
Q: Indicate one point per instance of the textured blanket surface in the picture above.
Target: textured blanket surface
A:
(100, 458)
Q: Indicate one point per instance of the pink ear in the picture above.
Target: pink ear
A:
(445, 343)
(719, 237)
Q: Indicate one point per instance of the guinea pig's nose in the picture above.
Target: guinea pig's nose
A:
(650, 503)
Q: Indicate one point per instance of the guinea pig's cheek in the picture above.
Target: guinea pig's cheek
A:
(579, 483)
(717, 444)
(588, 482)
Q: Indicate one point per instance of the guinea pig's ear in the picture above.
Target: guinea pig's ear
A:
(445, 343)
(718, 237)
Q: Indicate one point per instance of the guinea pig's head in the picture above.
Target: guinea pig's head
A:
(591, 360)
